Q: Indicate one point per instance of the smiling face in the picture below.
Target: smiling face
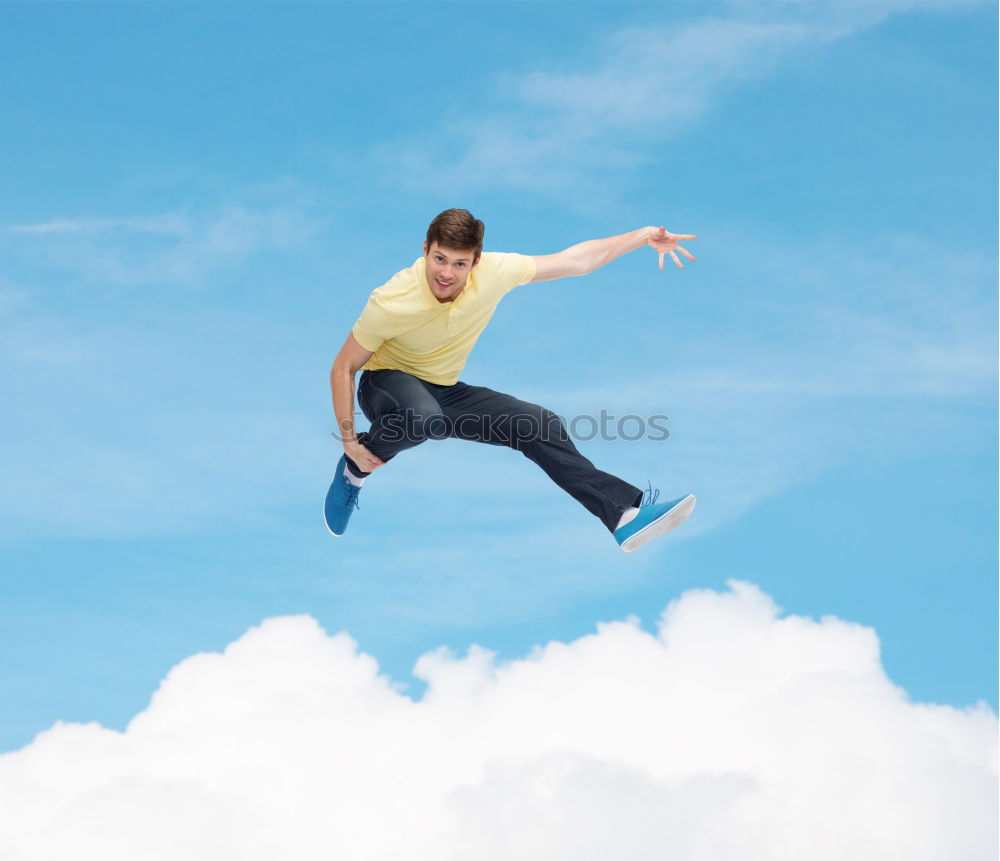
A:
(447, 270)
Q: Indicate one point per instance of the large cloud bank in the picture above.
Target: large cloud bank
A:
(731, 733)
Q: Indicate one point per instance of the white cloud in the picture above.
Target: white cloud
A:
(173, 224)
(170, 247)
(731, 733)
(13, 298)
(549, 131)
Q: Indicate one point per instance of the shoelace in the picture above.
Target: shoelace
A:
(649, 496)
(352, 496)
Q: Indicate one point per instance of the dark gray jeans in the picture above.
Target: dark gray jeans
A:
(404, 411)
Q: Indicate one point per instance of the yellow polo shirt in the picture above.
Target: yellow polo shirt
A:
(407, 329)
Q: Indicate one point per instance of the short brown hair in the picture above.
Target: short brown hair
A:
(458, 230)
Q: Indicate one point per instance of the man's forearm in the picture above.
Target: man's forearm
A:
(594, 253)
(342, 388)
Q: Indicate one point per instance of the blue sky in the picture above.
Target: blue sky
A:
(197, 199)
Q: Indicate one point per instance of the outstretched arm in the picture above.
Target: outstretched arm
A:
(587, 256)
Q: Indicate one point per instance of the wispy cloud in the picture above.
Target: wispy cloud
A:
(162, 225)
(13, 298)
(550, 130)
(731, 732)
(171, 247)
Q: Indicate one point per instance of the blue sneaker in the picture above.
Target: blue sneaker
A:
(653, 520)
(341, 500)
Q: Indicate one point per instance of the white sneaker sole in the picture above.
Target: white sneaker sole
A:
(671, 520)
(326, 523)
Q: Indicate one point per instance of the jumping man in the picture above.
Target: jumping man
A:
(412, 341)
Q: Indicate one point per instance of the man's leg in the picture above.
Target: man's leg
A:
(483, 415)
(403, 413)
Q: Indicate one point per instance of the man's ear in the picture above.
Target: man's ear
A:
(426, 249)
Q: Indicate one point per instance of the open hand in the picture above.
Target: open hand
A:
(666, 243)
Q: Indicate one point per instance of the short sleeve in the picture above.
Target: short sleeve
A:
(529, 269)
(512, 270)
(374, 327)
